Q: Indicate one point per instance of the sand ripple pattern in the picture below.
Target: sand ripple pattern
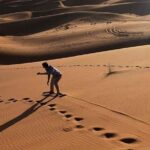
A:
(73, 124)
(121, 33)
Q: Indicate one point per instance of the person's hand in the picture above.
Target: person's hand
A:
(38, 73)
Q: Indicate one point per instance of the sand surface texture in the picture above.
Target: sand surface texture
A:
(102, 49)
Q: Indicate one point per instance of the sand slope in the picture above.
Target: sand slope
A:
(107, 111)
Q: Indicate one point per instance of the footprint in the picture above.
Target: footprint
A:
(30, 101)
(52, 105)
(68, 115)
(109, 135)
(129, 140)
(98, 129)
(52, 109)
(67, 129)
(1, 101)
(63, 111)
(26, 98)
(79, 126)
(11, 99)
(137, 66)
(15, 100)
(146, 67)
(78, 119)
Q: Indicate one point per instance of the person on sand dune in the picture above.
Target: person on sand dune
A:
(56, 76)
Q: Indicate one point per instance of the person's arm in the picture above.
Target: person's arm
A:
(42, 73)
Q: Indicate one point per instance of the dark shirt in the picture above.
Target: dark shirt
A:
(53, 71)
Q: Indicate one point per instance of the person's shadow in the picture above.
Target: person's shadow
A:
(26, 113)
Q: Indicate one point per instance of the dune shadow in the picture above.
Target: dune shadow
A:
(25, 114)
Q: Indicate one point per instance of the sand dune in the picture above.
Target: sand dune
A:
(25, 27)
(66, 40)
(102, 49)
(106, 118)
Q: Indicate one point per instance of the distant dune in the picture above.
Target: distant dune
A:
(95, 26)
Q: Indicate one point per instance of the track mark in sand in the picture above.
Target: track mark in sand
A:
(78, 119)
(52, 105)
(1, 101)
(67, 129)
(85, 65)
(129, 140)
(146, 67)
(52, 109)
(138, 67)
(30, 101)
(62, 111)
(14, 100)
(109, 135)
(68, 116)
(11, 99)
(97, 129)
(26, 98)
(120, 66)
(118, 32)
(79, 126)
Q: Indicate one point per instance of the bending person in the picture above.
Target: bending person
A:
(56, 76)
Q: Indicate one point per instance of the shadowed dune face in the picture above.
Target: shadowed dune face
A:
(32, 30)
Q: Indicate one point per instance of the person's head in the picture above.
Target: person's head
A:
(45, 65)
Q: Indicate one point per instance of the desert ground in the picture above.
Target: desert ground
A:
(101, 48)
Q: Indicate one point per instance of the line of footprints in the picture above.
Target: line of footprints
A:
(108, 135)
(88, 65)
(52, 107)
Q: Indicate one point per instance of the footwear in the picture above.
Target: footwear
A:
(51, 92)
(60, 94)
